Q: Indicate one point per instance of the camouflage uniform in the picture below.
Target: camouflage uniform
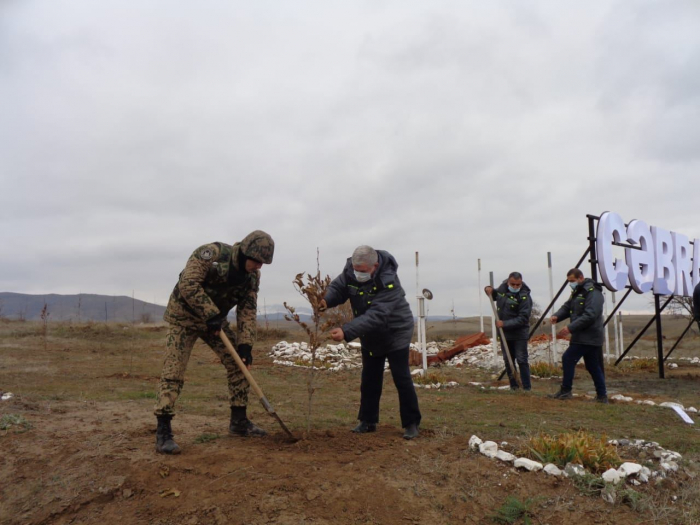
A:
(211, 284)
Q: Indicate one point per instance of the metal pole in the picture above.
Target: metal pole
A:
(607, 334)
(421, 325)
(616, 329)
(594, 265)
(481, 311)
(622, 336)
(692, 321)
(494, 342)
(640, 334)
(553, 346)
(659, 335)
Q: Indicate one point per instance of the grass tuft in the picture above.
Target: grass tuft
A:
(206, 438)
(514, 510)
(14, 420)
(544, 369)
(581, 447)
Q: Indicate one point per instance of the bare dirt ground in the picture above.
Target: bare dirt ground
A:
(88, 456)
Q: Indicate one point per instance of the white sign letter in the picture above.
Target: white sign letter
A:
(665, 274)
(611, 228)
(681, 258)
(640, 262)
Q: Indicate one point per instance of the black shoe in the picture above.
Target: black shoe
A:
(601, 399)
(164, 437)
(364, 427)
(562, 394)
(411, 431)
(514, 388)
(242, 426)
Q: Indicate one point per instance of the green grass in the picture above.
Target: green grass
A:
(514, 511)
(206, 438)
(17, 423)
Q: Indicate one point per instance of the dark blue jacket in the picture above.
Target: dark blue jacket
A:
(514, 310)
(585, 307)
(382, 317)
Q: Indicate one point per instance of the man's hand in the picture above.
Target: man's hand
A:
(553, 319)
(488, 291)
(214, 325)
(499, 324)
(563, 332)
(337, 334)
(322, 306)
(245, 352)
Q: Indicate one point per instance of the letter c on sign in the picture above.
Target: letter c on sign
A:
(611, 228)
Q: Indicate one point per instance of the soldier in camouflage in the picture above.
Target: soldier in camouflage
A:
(216, 278)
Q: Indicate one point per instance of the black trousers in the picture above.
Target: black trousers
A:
(371, 387)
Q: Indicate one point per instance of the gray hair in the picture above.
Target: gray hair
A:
(364, 255)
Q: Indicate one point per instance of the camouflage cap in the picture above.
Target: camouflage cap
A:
(258, 245)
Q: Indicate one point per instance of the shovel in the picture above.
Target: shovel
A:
(258, 391)
(505, 344)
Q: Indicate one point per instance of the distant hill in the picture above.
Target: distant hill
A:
(83, 307)
(115, 308)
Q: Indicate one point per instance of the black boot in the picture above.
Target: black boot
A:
(164, 437)
(242, 426)
(562, 394)
(411, 431)
(364, 427)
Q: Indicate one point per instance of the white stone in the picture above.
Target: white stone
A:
(488, 449)
(629, 469)
(635, 482)
(553, 470)
(528, 464)
(648, 402)
(474, 442)
(611, 476)
(573, 469)
(506, 387)
(670, 404)
(673, 365)
(505, 456)
(692, 410)
(620, 397)
(417, 372)
(669, 465)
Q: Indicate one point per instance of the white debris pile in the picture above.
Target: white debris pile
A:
(482, 356)
(328, 357)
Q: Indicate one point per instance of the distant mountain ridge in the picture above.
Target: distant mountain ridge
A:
(114, 308)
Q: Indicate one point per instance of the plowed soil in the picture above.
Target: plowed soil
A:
(95, 463)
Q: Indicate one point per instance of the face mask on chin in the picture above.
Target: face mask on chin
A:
(573, 285)
(513, 290)
(362, 277)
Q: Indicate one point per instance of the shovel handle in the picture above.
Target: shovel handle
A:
(258, 391)
(505, 343)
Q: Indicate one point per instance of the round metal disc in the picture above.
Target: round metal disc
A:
(427, 294)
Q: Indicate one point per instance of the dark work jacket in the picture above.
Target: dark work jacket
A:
(514, 310)
(585, 307)
(382, 317)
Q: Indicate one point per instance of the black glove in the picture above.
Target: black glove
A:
(245, 352)
(214, 324)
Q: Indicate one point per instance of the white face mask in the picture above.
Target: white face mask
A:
(573, 284)
(362, 277)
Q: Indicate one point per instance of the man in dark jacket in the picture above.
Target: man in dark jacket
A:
(384, 323)
(514, 306)
(696, 304)
(585, 308)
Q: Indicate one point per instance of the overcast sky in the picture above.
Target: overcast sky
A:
(133, 132)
